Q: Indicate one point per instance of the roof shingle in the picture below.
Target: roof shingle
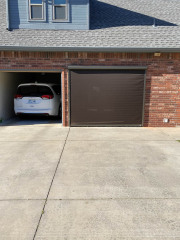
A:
(115, 25)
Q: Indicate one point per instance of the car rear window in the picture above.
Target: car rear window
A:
(34, 90)
(57, 89)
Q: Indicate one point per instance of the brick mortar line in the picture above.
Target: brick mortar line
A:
(51, 186)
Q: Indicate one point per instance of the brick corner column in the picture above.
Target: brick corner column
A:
(178, 102)
(65, 100)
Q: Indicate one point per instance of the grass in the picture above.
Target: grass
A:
(178, 140)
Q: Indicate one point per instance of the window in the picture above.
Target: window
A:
(60, 10)
(57, 89)
(36, 10)
(34, 91)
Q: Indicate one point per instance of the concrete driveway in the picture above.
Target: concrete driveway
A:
(89, 183)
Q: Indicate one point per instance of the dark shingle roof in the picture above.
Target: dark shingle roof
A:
(115, 25)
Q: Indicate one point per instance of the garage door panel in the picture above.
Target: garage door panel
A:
(106, 98)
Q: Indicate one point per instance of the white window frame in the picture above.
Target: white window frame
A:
(43, 13)
(66, 5)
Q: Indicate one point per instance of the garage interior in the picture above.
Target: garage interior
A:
(107, 97)
(9, 82)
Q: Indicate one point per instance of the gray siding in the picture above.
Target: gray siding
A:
(78, 16)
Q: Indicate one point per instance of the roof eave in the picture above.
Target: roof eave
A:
(88, 49)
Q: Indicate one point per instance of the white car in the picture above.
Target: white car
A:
(38, 98)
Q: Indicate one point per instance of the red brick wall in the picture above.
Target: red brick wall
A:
(162, 77)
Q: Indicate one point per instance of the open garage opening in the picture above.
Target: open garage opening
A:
(9, 82)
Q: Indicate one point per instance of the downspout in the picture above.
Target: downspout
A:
(7, 15)
(88, 13)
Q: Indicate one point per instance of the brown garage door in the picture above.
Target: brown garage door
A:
(106, 97)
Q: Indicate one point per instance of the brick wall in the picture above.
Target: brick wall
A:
(162, 77)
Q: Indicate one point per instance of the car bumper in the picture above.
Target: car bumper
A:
(47, 112)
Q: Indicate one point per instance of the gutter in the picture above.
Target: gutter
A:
(7, 15)
(90, 49)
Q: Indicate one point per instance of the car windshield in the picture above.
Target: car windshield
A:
(34, 90)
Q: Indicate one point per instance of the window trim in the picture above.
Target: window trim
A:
(66, 5)
(43, 11)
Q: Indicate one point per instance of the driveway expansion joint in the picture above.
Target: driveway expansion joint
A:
(107, 199)
(43, 210)
(121, 140)
(29, 199)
